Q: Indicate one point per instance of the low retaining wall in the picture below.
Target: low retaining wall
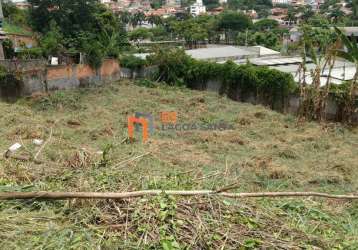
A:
(81, 75)
(37, 76)
(290, 105)
(144, 72)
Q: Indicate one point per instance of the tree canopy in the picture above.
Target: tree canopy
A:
(83, 26)
(266, 24)
(231, 20)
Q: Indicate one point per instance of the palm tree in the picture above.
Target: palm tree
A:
(154, 20)
(125, 17)
(314, 97)
(336, 15)
(137, 18)
(350, 54)
(307, 13)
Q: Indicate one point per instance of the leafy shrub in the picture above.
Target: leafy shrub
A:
(175, 67)
(59, 99)
(51, 42)
(132, 62)
(146, 83)
(8, 48)
(140, 34)
(32, 53)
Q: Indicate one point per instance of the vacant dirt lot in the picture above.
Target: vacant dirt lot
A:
(87, 149)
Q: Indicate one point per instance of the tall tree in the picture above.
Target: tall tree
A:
(71, 16)
(85, 26)
(211, 4)
(191, 30)
(231, 23)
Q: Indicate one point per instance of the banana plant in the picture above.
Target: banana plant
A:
(350, 53)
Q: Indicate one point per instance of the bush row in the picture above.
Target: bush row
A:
(238, 81)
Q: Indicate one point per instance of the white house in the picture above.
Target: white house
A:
(197, 8)
(275, 2)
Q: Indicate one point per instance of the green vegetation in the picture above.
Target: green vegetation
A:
(15, 20)
(266, 151)
(257, 5)
(16, 29)
(350, 55)
(132, 62)
(175, 67)
(140, 34)
(78, 26)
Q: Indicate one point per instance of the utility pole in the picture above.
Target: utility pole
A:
(2, 33)
(246, 37)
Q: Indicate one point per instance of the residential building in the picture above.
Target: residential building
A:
(297, 2)
(315, 4)
(197, 8)
(216, 11)
(251, 13)
(173, 3)
(279, 11)
(275, 2)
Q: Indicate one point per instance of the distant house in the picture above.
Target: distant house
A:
(20, 40)
(251, 13)
(315, 4)
(197, 8)
(216, 11)
(163, 12)
(279, 11)
(23, 5)
(276, 2)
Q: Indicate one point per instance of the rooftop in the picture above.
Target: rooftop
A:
(220, 53)
(270, 61)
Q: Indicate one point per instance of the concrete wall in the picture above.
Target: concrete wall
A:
(145, 72)
(23, 66)
(37, 76)
(290, 105)
(80, 75)
(31, 74)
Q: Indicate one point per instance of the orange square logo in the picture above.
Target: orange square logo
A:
(168, 117)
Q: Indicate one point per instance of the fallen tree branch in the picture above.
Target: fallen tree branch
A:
(124, 195)
(130, 160)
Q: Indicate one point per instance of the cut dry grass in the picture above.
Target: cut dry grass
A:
(88, 151)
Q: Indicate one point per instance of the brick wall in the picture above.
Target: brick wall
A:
(37, 76)
(78, 75)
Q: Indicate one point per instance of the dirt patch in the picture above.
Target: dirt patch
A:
(73, 123)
